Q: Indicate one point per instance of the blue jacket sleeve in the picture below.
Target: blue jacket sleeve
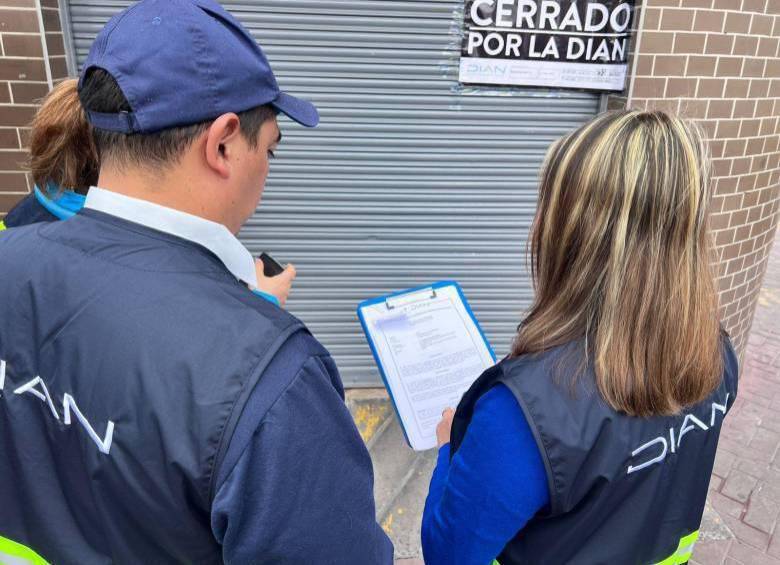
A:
(494, 484)
(301, 488)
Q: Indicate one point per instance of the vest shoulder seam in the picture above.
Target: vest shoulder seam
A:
(555, 504)
(271, 406)
(230, 422)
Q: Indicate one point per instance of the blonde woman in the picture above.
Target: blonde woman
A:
(593, 442)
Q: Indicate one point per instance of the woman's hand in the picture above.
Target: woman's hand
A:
(279, 285)
(445, 427)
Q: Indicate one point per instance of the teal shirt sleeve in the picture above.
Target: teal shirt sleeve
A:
(269, 297)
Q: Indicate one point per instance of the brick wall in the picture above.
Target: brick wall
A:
(25, 77)
(718, 62)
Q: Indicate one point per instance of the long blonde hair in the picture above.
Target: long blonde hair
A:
(622, 259)
(62, 151)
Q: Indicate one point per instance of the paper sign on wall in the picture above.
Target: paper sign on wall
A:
(579, 44)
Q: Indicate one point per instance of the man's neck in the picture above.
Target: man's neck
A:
(179, 194)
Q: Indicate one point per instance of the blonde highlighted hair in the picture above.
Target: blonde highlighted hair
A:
(622, 259)
(62, 151)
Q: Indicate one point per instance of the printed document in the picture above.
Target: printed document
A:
(430, 350)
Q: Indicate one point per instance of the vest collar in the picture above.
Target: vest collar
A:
(63, 204)
(211, 235)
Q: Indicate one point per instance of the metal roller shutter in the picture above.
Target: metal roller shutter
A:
(409, 179)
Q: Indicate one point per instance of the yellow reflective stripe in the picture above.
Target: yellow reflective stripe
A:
(2, 225)
(12, 553)
(683, 552)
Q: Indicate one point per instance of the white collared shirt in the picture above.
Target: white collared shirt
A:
(211, 235)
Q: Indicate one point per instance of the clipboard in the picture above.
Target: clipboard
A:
(429, 349)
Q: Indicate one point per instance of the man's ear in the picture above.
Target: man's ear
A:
(220, 143)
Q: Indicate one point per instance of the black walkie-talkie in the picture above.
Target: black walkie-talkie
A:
(271, 267)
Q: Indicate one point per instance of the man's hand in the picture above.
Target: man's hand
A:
(279, 285)
(445, 427)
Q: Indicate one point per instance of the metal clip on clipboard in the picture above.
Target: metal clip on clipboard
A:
(410, 298)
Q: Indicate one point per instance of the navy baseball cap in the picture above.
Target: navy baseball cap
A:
(182, 62)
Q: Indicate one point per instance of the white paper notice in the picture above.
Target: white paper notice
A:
(431, 352)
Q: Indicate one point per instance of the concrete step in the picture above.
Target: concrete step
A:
(401, 475)
(393, 462)
(403, 517)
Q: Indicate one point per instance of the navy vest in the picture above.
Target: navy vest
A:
(28, 211)
(126, 357)
(622, 489)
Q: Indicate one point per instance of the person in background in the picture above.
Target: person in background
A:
(64, 163)
(63, 160)
(152, 408)
(594, 440)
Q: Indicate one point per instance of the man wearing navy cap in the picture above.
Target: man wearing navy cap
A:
(153, 408)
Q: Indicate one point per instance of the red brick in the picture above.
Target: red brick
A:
(746, 45)
(741, 166)
(688, 42)
(29, 92)
(772, 69)
(13, 160)
(744, 108)
(729, 67)
(656, 42)
(51, 19)
(680, 88)
(652, 17)
(11, 182)
(724, 237)
(737, 88)
(693, 109)
(737, 22)
(721, 44)
(762, 25)
(754, 6)
(735, 148)
(750, 128)
(22, 69)
(754, 146)
(720, 109)
(18, 21)
(701, 65)
(22, 45)
(709, 21)
(764, 107)
(759, 88)
(754, 67)
(16, 115)
(59, 67)
(767, 47)
(768, 126)
(647, 87)
(677, 20)
(668, 65)
(644, 65)
(727, 185)
(9, 139)
(710, 88)
(721, 168)
(55, 44)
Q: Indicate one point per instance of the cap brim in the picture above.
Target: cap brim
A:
(299, 110)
